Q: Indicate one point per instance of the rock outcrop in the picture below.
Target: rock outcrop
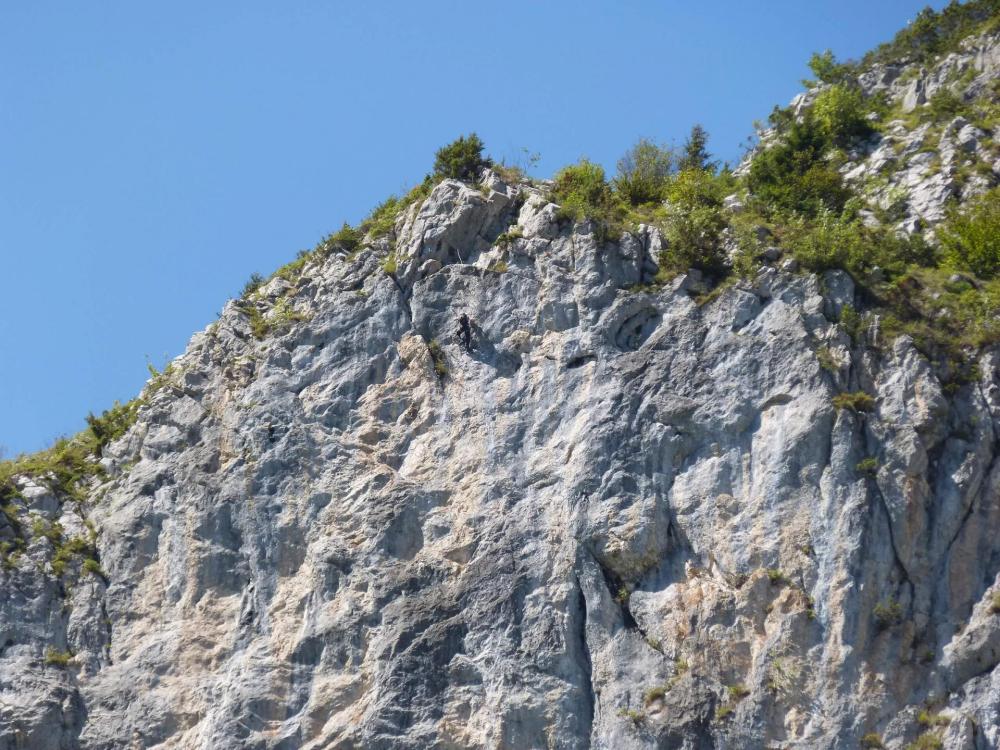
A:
(628, 517)
(626, 513)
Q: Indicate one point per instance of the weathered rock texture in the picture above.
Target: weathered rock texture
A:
(318, 541)
(627, 516)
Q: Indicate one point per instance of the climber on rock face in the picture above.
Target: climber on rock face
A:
(465, 332)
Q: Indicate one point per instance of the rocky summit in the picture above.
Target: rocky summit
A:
(494, 471)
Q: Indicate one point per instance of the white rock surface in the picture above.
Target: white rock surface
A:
(315, 541)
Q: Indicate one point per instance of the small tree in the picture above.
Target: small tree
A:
(643, 172)
(839, 112)
(461, 159)
(826, 68)
(695, 154)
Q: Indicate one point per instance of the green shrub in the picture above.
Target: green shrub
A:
(461, 159)
(253, 284)
(654, 694)
(643, 173)
(90, 565)
(723, 712)
(113, 423)
(775, 576)
(927, 719)
(995, 604)
(852, 322)
(581, 190)
(56, 658)
(382, 220)
(694, 221)
(791, 176)
(872, 741)
(868, 467)
(738, 691)
(840, 114)
(887, 613)
(945, 105)
(928, 741)
(65, 551)
(859, 401)
(508, 237)
(826, 360)
(347, 239)
(826, 68)
(829, 241)
(438, 358)
(636, 717)
(970, 240)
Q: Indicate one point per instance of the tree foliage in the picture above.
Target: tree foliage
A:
(462, 159)
(643, 172)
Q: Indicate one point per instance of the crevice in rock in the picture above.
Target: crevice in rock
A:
(588, 665)
(580, 361)
(620, 594)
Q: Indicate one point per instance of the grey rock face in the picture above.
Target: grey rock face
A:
(617, 520)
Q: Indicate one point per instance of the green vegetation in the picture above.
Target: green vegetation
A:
(826, 68)
(868, 467)
(461, 159)
(970, 239)
(643, 173)
(623, 595)
(253, 284)
(65, 468)
(654, 694)
(839, 114)
(792, 176)
(438, 358)
(583, 192)
(872, 741)
(737, 692)
(775, 576)
(694, 222)
(636, 717)
(927, 719)
(508, 237)
(695, 153)
(858, 402)
(113, 423)
(933, 33)
(995, 604)
(283, 315)
(928, 741)
(826, 359)
(887, 613)
(56, 658)
(723, 712)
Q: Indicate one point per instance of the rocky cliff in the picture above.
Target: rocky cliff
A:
(626, 515)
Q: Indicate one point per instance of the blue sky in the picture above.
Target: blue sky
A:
(153, 155)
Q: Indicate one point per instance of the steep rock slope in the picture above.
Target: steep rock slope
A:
(316, 540)
(628, 515)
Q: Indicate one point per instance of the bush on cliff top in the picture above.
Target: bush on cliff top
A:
(462, 159)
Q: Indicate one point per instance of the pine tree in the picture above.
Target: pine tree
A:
(695, 154)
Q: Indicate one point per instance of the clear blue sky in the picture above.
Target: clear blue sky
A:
(153, 155)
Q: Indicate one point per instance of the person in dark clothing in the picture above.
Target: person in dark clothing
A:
(465, 332)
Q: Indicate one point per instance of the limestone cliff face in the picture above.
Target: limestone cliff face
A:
(625, 516)
(624, 519)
